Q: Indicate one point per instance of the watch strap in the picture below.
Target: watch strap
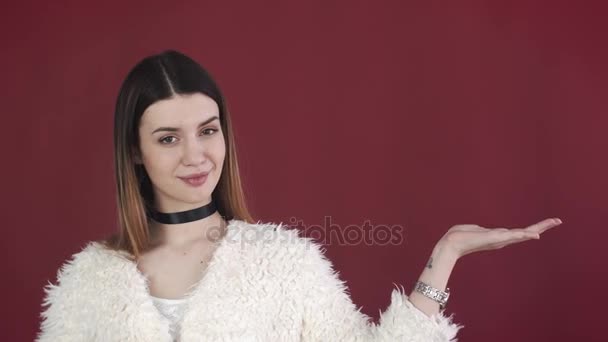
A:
(437, 295)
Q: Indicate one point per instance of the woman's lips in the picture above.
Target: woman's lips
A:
(195, 180)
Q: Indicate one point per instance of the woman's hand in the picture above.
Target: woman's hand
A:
(464, 239)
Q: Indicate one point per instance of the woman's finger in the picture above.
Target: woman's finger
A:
(514, 238)
(524, 233)
(504, 234)
(544, 225)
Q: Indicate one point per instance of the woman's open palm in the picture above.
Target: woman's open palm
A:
(464, 239)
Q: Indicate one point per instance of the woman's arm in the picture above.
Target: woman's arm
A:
(436, 274)
(330, 315)
(464, 239)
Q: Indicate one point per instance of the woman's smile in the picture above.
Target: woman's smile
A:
(195, 180)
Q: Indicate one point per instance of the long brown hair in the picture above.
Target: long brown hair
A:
(155, 78)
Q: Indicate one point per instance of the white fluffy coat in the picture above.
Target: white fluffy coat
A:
(265, 282)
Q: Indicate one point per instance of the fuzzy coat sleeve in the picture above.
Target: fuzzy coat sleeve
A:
(330, 315)
(64, 301)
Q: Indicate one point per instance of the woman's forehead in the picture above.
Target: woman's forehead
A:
(184, 109)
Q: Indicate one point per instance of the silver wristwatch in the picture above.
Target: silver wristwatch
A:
(437, 295)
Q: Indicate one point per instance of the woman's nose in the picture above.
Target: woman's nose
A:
(194, 152)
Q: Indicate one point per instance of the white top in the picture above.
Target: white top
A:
(173, 310)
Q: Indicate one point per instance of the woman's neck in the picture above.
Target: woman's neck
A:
(211, 229)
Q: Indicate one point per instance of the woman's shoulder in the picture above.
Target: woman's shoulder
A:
(91, 262)
(97, 251)
(95, 276)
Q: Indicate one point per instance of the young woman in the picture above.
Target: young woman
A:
(190, 264)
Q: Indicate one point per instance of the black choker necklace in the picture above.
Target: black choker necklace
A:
(183, 216)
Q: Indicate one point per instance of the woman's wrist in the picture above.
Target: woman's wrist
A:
(436, 274)
(439, 267)
(443, 250)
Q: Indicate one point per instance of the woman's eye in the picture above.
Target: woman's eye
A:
(213, 130)
(164, 140)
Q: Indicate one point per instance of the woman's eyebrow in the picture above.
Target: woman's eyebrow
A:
(174, 129)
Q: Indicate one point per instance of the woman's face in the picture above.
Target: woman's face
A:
(179, 137)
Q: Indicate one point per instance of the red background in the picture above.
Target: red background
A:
(420, 113)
